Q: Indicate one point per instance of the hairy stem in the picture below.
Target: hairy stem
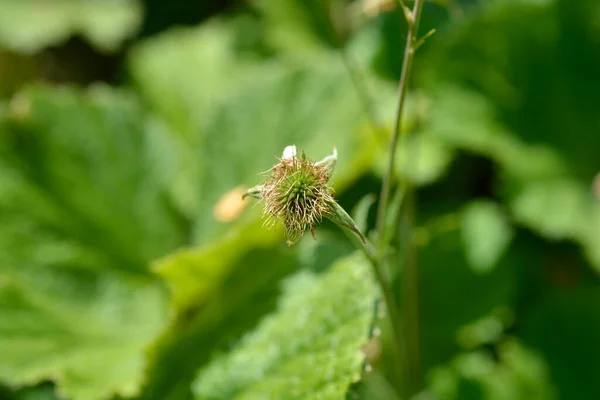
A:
(413, 17)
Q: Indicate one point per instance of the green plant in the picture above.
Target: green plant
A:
(133, 267)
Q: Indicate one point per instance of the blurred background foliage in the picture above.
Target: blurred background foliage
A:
(130, 268)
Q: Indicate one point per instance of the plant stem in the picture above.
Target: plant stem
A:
(410, 298)
(412, 19)
(388, 295)
(377, 256)
(406, 332)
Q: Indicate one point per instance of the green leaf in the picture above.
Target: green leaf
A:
(233, 301)
(84, 211)
(298, 27)
(518, 374)
(478, 130)
(185, 74)
(81, 168)
(486, 330)
(27, 26)
(561, 209)
(310, 347)
(486, 234)
(228, 303)
(86, 329)
(423, 159)
(556, 208)
(194, 273)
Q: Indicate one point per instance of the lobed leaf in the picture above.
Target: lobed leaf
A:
(84, 208)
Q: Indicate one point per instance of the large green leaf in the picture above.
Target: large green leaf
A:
(184, 74)
(85, 329)
(82, 168)
(84, 211)
(232, 288)
(28, 26)
(309, 348)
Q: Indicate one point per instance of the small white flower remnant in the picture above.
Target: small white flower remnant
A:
(289, 152)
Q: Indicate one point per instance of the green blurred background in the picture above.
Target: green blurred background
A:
(130, 268)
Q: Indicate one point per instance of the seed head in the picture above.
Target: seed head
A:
(297, 192)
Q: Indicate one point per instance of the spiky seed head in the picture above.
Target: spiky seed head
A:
(297, 193)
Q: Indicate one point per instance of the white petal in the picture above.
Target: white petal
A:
(289, 152)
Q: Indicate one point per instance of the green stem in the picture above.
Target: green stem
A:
(412, 19)
(377, 256)
(406, 331)
(410, 298)
(388, 295)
